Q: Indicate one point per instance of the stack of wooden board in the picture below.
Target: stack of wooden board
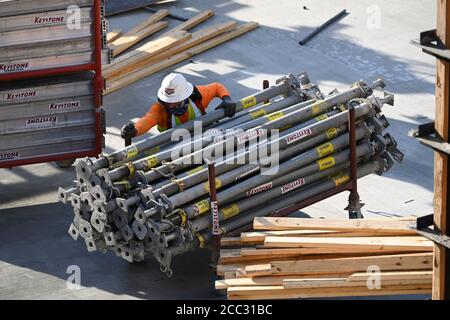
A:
(166, 50)
(287, 258)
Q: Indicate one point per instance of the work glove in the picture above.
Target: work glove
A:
(129, 131)
(229, 106)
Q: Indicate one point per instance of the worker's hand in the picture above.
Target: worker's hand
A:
(129, 131)
(229, 106)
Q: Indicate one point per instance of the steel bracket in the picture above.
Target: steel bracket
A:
(422, 226)
(427, 136)
(432, 45)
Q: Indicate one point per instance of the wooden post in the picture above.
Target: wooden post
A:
(441, 267)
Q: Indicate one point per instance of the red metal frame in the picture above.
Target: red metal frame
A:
(98, 83)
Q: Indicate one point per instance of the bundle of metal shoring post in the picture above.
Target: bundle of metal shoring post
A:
(288, 143)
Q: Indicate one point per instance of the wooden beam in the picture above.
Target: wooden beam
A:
(258, 237)
(441, 276)
(400, 227)
(334, 245)
(343, 283)
(151, 49)
(128, 40)
(416, 261)
(279, 292)
(196, 38)
(185, 26)
(145, 72)
(113, 35)
(363, 276)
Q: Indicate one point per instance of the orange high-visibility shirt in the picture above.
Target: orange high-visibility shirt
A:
(157, 115)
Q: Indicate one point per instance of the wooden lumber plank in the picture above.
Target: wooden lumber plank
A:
(258, 237)
(113, 35)
(154, 18)
(313, 251)
(336, 244)
(157, 46)
(144, 72)
(343, 283)
(416, 261)
(185, 26)
(363, 276)
(127, 41)
(441, 281)
(401, 227)
(197, 38)
(268, 281)
(235, 293)
(230, 241)
(194, 21)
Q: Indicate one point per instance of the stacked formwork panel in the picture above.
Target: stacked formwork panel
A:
(51, 53)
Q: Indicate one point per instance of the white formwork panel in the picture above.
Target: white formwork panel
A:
(44, 33)
(47, 117)
(52, 61)
(43, 89)
(47, 18)
(20, 7)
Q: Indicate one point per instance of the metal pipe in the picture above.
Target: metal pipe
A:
(86, 169)
(322, 27)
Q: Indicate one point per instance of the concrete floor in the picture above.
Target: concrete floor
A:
(35, 249)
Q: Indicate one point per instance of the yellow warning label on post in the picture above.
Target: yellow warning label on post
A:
(195, 170)
(231, 211)
(326, 163)
(132, 152)
(248, 102)
(152, 151)
(218, 185)
(275, 116)
(340, 179)
(316, 107)
(202, 207)
(331, 133)
(258, 114)
(325, 149)
(321, 118)
(152, 162)
(342, 108)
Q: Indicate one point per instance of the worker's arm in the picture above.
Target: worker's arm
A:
(152, 118)
(211, 91)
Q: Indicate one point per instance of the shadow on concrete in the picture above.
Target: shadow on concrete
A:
(36, 238)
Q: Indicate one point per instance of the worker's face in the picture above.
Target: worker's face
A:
(172, 107)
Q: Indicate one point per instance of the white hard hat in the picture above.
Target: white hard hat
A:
(175, 88)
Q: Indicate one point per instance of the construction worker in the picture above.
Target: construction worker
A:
(178, 102)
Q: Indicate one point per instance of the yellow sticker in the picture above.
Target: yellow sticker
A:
(331, 133)
(321, 118)
(342, 108)
(152, 162)
(201, 207)
(248, 102)
(325, 149)
(125, 184)
(231, 211)
(326, 163)
(132, 152)
(275, 116)
(258, 114)
(195, 170)
(152, 151)
(340, 179)
(316, 107)
(218, 185)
